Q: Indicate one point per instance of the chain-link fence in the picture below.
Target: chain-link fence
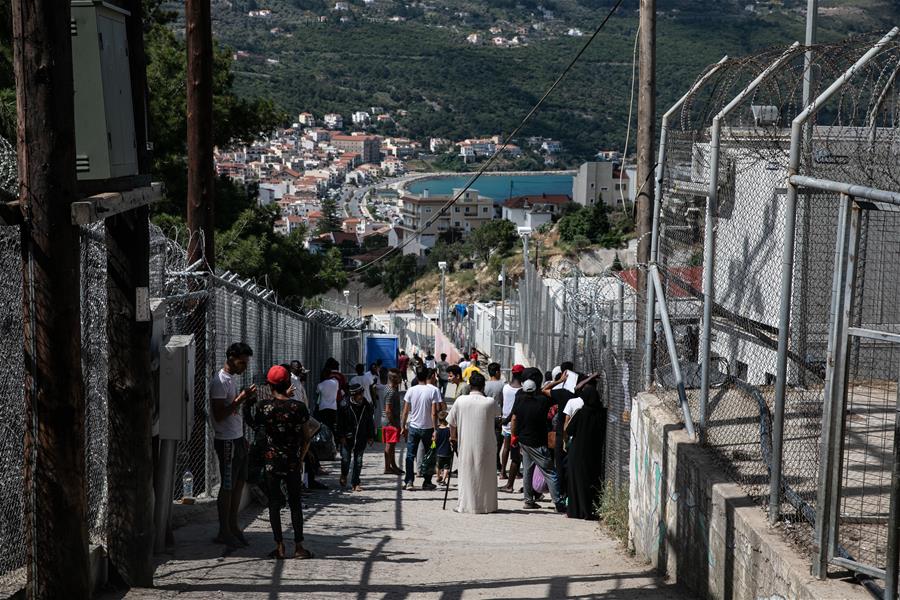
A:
(725, 217)
(216, 310)
(12, 377)
(590, 321)
(414, 331)
(12, 423)
(219, 310)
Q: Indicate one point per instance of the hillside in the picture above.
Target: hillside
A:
(423, 64)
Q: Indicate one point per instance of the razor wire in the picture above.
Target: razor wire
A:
(853, 138)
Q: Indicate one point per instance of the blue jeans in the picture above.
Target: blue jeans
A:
(533, 456)
(413, 438)
(348, 448)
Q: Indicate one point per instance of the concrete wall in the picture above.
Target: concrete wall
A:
(694, 525)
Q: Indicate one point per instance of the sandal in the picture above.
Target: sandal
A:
(302, 553)
(278, 552)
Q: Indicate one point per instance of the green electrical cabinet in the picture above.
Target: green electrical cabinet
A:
(106, 146)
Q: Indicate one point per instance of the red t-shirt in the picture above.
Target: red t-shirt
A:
(403, 362)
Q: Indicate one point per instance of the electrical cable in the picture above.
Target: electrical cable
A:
(497, 151)
(637, 36)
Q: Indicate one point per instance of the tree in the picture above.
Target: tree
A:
(445, 252)
(331, 219)
(398, 273)
(616, 263)
(236, 119)
(494, 236)
(251, 248)
(591, 223)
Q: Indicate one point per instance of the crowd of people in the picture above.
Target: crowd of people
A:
(546, 429)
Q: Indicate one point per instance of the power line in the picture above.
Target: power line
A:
(497, 151)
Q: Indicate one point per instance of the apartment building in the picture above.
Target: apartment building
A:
(367, 146)
(469, 212)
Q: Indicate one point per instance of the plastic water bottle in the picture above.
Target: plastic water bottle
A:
(187, 485)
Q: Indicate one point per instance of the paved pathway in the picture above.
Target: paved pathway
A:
(385, 543)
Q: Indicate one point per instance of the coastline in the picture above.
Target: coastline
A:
(401, 186)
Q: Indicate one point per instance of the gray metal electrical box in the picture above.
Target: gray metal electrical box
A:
(105, 142)
(176, 388)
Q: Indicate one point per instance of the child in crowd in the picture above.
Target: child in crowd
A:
(442, 447)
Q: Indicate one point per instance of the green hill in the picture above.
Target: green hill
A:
(452, 88)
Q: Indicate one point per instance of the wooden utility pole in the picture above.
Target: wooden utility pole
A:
(201, 170)
(56, 536)
(130, 401)
(646, 131)
(200, 196)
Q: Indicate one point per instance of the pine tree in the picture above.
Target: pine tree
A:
(616, 263)
(331, 219)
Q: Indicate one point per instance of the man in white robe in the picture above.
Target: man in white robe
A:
(471, 421)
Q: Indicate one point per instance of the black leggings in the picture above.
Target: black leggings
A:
(276, 499)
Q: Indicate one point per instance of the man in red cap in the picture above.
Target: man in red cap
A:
(513, 455)
(283, 422)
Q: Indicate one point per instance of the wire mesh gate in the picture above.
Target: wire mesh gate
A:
(859, 487)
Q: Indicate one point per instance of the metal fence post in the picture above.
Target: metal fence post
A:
(673, 352)
(650, 308)
(712, 201)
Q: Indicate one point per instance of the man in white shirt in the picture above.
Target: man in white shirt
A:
(366, 380)
(231, 447)
(298, 381)
(418, 423)
(327, 397)
(513, 455)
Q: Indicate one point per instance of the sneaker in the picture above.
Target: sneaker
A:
(429, 486)
(561, 507)
(317, 485)
(408, 486)
(531, 505)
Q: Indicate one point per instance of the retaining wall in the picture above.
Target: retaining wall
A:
(696, 526)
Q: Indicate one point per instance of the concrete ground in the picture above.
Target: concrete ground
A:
(385, 543)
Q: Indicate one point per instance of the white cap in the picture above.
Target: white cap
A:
(556, 371)
(529, 385)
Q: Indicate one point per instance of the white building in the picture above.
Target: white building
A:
(306, 119)
(438, 145)
(594, 183)
(334, 121)
(534, 210)
(551, 146)
(361, 118)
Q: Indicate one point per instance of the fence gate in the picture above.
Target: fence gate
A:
(859, 485)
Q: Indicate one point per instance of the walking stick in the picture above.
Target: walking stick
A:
(449, 475)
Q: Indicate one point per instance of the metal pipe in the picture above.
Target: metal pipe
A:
(819, 567)
(839, 187)
(657, 203)
(893, 541)
(712, 201)
(165, 476)
(787, 268)
(620, 302)
(839, 382)
(673, 352)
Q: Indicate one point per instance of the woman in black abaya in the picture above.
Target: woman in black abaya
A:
(587, 454)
